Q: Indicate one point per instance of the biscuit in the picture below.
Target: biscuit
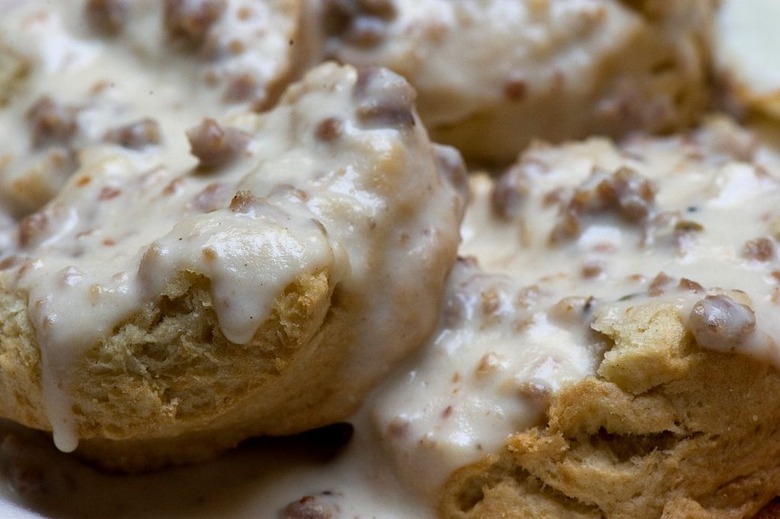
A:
(155, 315)
(606, 347)
(699, 441)
(492, 76)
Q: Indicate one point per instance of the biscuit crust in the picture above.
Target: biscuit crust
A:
(684, 444)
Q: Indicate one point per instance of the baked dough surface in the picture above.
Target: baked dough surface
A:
(161, 315)
(698, 438)
(678, 417)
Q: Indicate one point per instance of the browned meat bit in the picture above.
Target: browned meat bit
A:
(683, 234)
(33, 229)
(51, 122)
(671, 227)
(329, 129)
(107, 16)
(173, 187)
(660, 284)
(190, 20)
(377, 115)
(211, 198)
(515, 88)
(362, 23)
(385, 99)
(663, 283)
(243, 202)
(14, 68)
(488, 364)
(687, 226)
(137, 135)
(591, 270)
(633, 194)
(684, 231)
(720, 323)
(509, 193)
(761, 249)
(9, 262)
(491, 304)
(690, 285)
(215, 145)
(573, 310)
(511, 189)
(241, 87)
(109, 193)
(625, 191)
(312, 507)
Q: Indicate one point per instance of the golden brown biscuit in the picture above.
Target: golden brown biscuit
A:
(610, 349)
(153, 314)
(699, 441)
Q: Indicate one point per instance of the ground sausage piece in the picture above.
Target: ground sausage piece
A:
(215, 145)
(720, 323)
(625, 192)
(362, 23)
(311, 507)
(329, 129)
(137, 135)
(107, 16)
(211, 198)
(242, 87)
(190, 20)
(243, 202)
(631, 193)
(51, 122)
(761, 249)
(382, 107)
(33, 229)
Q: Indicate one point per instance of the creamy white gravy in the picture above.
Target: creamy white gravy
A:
(514, 329)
